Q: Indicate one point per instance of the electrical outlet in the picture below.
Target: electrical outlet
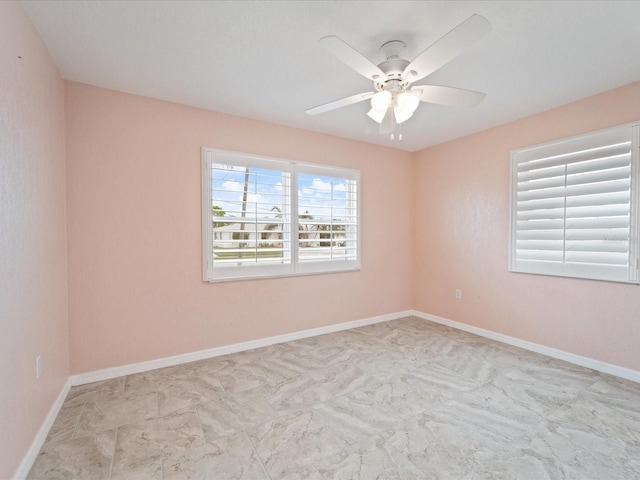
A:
(38, 366)
(458, 293)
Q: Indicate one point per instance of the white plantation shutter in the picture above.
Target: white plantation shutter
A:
(264, 217)
(328, 234)
(574, 207)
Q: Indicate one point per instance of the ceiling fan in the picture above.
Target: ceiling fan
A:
(393, 78)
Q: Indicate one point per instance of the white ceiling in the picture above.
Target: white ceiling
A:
(262, 60)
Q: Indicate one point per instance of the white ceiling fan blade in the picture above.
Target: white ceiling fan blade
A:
(343, 102)
(352, 57)
(448, 47)
(447, 95)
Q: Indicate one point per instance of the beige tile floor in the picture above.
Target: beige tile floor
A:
(406, 399)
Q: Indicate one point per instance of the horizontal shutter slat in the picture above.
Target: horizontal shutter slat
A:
(598, 211)
(576, 157)
(599, 176)
(549, 213)
(543, 255)
(620, 246)
(605, 163)
(610, 258)
(577, 190)
(540, 244)
(597, 223)
(611, 198)
(540, 234)
(539, 204)
(610, 234)
(541, 224)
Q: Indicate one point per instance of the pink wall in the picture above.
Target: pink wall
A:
(134, 224)
(33, 258)
(461, 240)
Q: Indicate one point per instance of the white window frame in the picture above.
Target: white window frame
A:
(562, 155)
(210, 156)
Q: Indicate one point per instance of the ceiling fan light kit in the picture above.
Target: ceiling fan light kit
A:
(392, 79)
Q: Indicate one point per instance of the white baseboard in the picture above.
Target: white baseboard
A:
(591, 363)
(115, 372)
(41, 436)
(108, 373)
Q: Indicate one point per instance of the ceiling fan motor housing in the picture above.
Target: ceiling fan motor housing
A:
(393, 71)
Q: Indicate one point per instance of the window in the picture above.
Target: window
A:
(574, 207)
(264, 217)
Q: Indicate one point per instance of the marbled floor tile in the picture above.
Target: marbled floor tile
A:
(612, 415)
(366, 461)
(185, 392)
(147, 442)
(540, 389)
(552, 451)
(215, 364)
(65, 423)
(144, 471)
(489, 411)
(622, 395)
(147, 382)
(294, 362)
(81, 458)
(381, 364)
(301, 359)
(471, 364)
(438, 448)
(290, 444)
(354, 419)
(111, 412)
(341, 379)
(225, 458)
(461, 335)
(140, 383)
(430, 348)
(245, 376)
(258, 355)
(393, 397)
(225, 414)
(451, 439)
(374, 330)
(361, 341)
(438, 383)
(413, 325)
(95, 390)
(554, 364)
(295, 393)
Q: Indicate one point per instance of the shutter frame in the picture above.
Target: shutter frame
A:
(574, 207)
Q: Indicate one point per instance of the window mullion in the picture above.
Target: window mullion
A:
(294, 220)
(564, 223)
(634, 228)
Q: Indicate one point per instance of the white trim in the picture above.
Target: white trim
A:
(109, 373)
(611, 369)
(115, 372)
(41, 436)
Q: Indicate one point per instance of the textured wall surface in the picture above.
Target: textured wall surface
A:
(33, 250)
(134, 225)
(462, 228)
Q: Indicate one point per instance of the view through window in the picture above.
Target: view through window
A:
(252, 229)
